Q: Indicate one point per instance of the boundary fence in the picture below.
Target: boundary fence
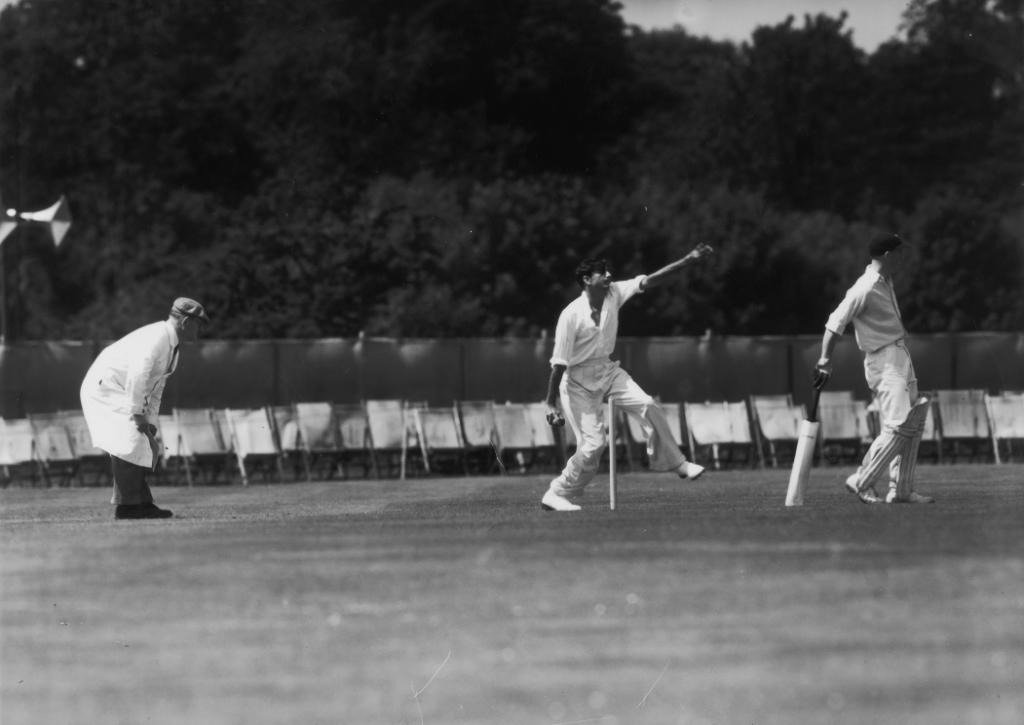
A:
(40, 377)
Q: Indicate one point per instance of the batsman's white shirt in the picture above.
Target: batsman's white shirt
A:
(128, 378)
(578, 340)
(871, 305)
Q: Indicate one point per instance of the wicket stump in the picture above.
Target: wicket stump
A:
(610, 425)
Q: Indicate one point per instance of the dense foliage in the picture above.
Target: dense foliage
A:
(325, 167)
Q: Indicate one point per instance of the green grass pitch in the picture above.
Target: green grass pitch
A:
(441, 601)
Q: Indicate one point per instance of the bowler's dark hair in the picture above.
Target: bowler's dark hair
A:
(883, 244)
(588, 266)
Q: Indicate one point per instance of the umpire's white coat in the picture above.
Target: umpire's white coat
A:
(128, 378)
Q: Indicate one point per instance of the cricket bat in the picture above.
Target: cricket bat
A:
(806, 440)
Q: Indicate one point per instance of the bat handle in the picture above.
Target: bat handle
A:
(812, 414)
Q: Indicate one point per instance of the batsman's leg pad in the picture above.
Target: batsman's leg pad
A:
(916, 417)
(901, 475)
(905, 479)
(886, 447)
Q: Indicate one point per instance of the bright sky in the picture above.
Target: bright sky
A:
(872, 21)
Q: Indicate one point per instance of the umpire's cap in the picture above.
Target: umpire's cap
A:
(186, 307)
(883, 244)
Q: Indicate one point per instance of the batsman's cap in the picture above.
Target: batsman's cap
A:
(186, 307)
(883, 244)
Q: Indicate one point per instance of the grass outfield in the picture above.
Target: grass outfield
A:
(450, 601)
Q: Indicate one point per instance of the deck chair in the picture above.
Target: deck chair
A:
(18, 456)
(318, 438)
(172, 452)
(931, 436)
(413, 449)
(93, 463)
(514, 437)
(776, 426)
(721, 427)
(205, 452)
(845, 431)
(220, 419)
(548, 443)
(962, 423)
(254, 444)
(440, 439)
(479, 434)
(674, 413)
(54, 449)
(286, 427)
(354, 438)
(286, 432)
(1005, 422)
(392, 434)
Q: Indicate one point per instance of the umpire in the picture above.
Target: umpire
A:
(121, 397)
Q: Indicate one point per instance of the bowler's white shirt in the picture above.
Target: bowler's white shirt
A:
(871, 305)
(577, 339)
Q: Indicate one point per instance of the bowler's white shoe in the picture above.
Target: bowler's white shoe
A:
(553, 502)
(912, 497)
(690, 470)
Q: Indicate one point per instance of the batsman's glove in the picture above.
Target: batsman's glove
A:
(555, 419)
(820, 378)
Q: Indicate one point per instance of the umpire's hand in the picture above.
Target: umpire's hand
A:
(555, 417)
(143, 425)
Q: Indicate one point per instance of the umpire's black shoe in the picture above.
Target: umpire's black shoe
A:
(141, 511)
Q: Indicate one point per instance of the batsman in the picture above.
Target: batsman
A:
(583, 375)
(878, 327)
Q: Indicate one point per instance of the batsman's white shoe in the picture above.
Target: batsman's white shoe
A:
(913, 497)
(868, 496)
(690, 470)
(553, 502)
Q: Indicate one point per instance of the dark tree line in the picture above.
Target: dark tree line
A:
(323, 167)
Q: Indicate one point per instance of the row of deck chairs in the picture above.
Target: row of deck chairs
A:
(388, 438)
(382, 438)
(385, 438)
(50, 449)
(759, 431)
(310, 440)
(763, 430)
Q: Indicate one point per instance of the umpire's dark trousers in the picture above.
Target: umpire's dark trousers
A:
(130, 487)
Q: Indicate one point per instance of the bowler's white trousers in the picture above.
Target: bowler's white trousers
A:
(584, 389)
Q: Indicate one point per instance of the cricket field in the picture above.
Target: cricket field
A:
(450, 601)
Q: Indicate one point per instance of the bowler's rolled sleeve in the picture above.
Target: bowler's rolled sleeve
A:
(563, 341)
(629, 287)
(843, 315)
